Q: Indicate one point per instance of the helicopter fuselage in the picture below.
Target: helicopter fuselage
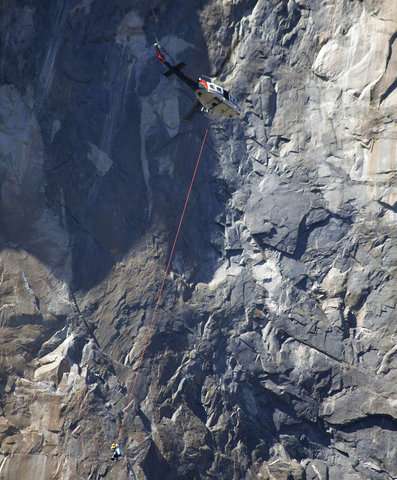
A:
(214, 99)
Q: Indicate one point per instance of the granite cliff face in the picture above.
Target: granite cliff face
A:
(274, 352)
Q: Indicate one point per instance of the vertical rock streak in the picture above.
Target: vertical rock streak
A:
(46, 75)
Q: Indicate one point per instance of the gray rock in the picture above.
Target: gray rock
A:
(269, 351)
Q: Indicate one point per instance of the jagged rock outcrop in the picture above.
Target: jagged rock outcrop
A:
(272, 354)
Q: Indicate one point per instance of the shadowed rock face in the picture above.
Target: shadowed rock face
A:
(273, 352)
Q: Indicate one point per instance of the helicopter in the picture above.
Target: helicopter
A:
(211, 98)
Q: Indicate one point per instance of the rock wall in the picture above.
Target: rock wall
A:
(273, 352)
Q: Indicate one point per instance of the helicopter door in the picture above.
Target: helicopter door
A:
(214, 88)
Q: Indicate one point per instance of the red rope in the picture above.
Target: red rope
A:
(135, 381)
(187, 198)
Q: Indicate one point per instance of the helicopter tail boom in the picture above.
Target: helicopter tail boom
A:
(171, 71)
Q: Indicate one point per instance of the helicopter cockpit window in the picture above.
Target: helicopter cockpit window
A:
(226, 94)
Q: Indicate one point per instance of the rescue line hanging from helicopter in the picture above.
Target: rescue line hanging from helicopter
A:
(211, 98)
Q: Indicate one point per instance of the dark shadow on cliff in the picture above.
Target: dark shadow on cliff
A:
(96, 183)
